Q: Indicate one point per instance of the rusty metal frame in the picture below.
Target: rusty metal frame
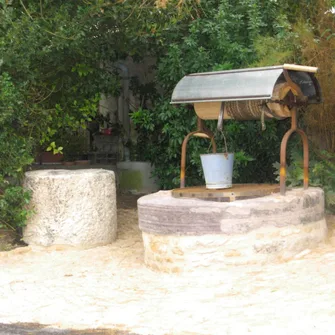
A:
(201, 131)
(283, 147)
(294, 87)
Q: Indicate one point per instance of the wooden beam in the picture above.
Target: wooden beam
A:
(301, 68)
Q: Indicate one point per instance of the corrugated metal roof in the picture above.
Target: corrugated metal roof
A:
(243, 84)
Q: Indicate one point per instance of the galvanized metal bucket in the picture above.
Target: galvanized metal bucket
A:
(218, 170)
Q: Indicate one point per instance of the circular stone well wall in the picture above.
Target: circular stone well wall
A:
(71, 207)
(189, 234)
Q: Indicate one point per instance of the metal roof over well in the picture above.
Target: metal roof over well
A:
(245, 84)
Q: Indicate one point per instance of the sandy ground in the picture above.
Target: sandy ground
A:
(109, 287)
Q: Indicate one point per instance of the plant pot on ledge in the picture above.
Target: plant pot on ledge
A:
(82, 162)
(47, 157)
(68, 163)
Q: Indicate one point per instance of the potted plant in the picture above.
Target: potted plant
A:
(51, 155)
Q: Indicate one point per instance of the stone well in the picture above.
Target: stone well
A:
(71, 207)
(189, 234)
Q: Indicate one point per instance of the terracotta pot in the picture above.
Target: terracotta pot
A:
(83, 162)
(68, 163)
(49, 157)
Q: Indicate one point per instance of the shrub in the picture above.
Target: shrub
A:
(321, 172)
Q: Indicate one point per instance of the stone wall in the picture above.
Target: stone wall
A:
(189, 234)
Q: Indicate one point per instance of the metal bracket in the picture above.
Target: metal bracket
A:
(295, 88)
(283, 147)
(202, 131)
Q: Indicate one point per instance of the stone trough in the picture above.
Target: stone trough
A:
(190, 234)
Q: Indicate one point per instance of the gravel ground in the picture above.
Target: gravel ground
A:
(110, 288)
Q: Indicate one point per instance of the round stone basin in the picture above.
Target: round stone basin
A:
(71, 207)
(190, 234)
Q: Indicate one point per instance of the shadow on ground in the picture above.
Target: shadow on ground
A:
(37, 329)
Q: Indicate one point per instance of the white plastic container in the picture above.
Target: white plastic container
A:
(135, 177)
(218, 170)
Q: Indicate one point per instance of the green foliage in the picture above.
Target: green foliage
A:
(55, 150)
(306, 37)
(15, 151)
(74, 143)
(321, 172)
(279, 47)
(160, 135)
(56, 58)
(13, 200)
(162, 130)
(50, 79)
(221, 35)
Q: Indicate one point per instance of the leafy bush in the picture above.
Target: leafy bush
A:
(47, 82)
(16, 153)
(162, 130)
(13, 200)
(306, 36)
(54, 56)
(222, 35)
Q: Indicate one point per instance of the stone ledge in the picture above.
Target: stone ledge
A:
(160, 213)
